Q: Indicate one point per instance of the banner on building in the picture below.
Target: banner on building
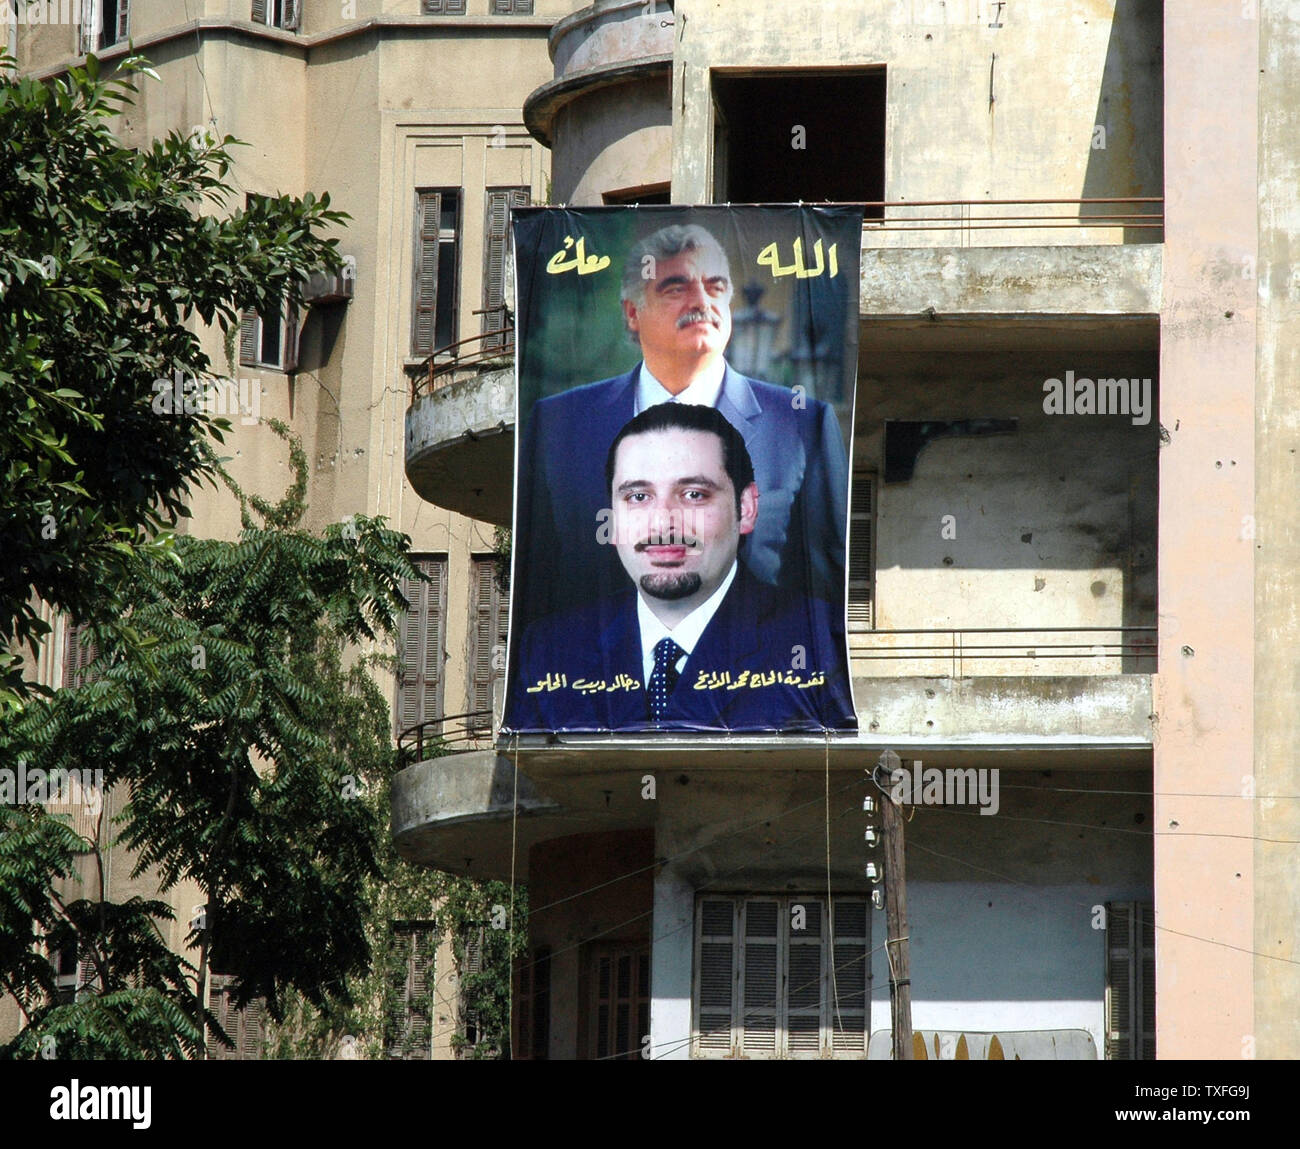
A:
(684, 390)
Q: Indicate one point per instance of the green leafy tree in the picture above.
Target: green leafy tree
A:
(108, 256)
(241, 737)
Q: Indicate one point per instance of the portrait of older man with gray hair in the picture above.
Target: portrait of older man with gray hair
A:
(676, 298)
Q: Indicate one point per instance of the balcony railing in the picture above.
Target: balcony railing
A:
(466, 356)
(1046, 650)
(452, 734)
(1143, 214)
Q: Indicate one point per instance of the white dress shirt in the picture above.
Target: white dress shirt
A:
(703, 392)
(686, 633)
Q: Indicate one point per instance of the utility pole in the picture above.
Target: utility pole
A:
(896, 929)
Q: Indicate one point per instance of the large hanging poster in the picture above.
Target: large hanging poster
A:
(684, 389)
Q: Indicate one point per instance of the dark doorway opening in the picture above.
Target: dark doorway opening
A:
(786, 136)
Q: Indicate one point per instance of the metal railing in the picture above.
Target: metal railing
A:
(1134, 646)
(446, 363)
(1142, 213)
(451, 734)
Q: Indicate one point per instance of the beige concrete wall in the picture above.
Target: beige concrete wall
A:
(1051, 525)
(1277, 541)
(1205, 871)
(1062, 68)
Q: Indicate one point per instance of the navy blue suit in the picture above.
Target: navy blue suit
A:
(797, 449)
(756, 631)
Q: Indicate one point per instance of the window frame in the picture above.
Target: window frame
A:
(845, 1043)
(861, 589)
(602, 1037)
(413, 1014)
(95, 33)
(252, 340)
(1130, 982)
(488, 622)
(283, 14)
(447, 237)
(498, 205)
(421, 592)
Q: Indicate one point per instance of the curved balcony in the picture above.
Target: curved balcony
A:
(623, 139)
(460, 428)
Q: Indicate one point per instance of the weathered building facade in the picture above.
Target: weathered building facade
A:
(1095, 598)
(1070, 564)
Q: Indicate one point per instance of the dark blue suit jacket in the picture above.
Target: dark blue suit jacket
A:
(756, 631)
(799, 463)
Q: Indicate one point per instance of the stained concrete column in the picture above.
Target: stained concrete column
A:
(1277, 541)
(1204, 859)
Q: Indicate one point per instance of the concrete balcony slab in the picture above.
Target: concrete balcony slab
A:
(460, 446)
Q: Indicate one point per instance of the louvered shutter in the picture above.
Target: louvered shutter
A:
(248, 340)
(496, 253)
(252, 1020)
(122, 23)
(408, 1030)
(804, 977)
(850, 953)
(760, 976)
(291, 15)
(259, 11)
(1130, 982)
(426, 272)
(512, 7)
(1146, 964)
(419, 689)
(716, 985)
(443, 7)
(488, 619)
(79, 653)
(862, 574)
(778, 995)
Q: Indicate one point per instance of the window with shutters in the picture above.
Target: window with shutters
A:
(408, 1026)
(489, 611)
(862, 552)
(245, 1027)
(104, 23)
(471, 1027)
(496, 257)
(533, 1012)
(79, 652)
(421, 642)
(443, 7)
(277, 13)
(437, 270)
(512, 7)
(269, 340)
(1130, 981)
(619, 1015)
(780, 977)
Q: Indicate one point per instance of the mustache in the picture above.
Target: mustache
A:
(669, 538)
(697, 315)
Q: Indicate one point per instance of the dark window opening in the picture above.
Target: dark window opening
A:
(788, 136)
(437, 260)
(646, 193)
